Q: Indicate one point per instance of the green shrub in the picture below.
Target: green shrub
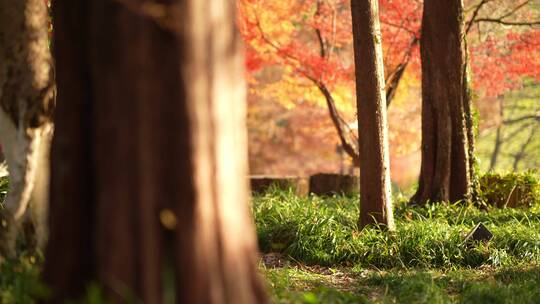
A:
(509, 190)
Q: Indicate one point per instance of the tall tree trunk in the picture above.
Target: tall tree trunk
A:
(375, 194)
(446, 123)
(149, 156)
(467, 103)
(26, 106)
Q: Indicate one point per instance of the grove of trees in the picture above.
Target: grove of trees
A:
(284, 55)
(146, 192)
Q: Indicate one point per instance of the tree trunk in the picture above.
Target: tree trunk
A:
(498, 138)
(375, 195)
(446, 167)
(518, 157)
(26, 106)
(496, 149)
(149, 157)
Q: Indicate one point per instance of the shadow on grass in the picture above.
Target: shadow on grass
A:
(345, 285)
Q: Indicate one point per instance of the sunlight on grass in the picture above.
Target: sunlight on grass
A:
(323, 258)
(327, 260)
(321, 231)
(486, 285)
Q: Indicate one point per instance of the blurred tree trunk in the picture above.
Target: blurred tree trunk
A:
(27, 95)
(518, 157)
(498, 138)
(447, 137)
(149, 156)
(375, 195)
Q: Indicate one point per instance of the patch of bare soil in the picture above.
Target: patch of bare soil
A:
(274, 260)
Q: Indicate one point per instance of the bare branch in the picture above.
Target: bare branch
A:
(475, 14)
(346, 134)
(510, 23)
(318, 32)
(501, 19)
(399, 26)
(393, 79)
(515, 9)
(522, 118)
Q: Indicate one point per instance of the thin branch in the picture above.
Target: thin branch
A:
(519, 156)
(512, 135)
(499, 20)
(475, 14)
(393, 79)
(515, 9)
(522, 118)
(318, 32)
(509, 23)
(285, 55)
(346, 134)
(334, 29)
(399, 26)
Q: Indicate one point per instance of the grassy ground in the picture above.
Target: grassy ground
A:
(301, 284)
(314, 254)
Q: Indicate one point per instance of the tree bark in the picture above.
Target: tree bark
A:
(375, 195)
(26, 107)
(149, 158)
(445, 173)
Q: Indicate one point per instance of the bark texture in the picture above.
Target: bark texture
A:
(447, 137)
(375, 196)
(149, 159)
(27, 96)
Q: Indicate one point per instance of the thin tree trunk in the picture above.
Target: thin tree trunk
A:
(498, 138)
(375, 195)
(445, 169)
(496, 149)
(473, 185)
(149, 157)
(518, 157)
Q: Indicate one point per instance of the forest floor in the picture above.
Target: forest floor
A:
(297, 283)
(313, 253)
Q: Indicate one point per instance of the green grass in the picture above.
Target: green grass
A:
(294, 285)
(19, 280)
(487, 285)
(325, 259)
(423, 261)
(323, 231)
